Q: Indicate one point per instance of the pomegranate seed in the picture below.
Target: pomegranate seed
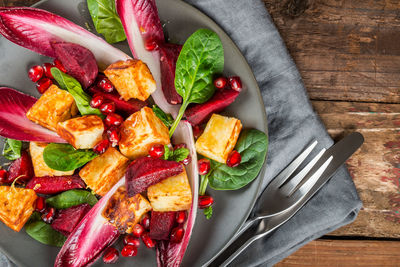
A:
(204, 166)
(181, 217)
(137, 230)
(101, 147)
(59, 65)
(182, 145)
(131, 240)
(146, 222)
(235, 83)
(220, 82)
(3, 176)
(129, 251)
(96, 101)
(48, 215)
(110, 256)
(205, 201)
(106, 85)
(197, 131)
(157, 151)
(47, 70)
(151, 44)
(177, 234)
(234, 159)
(147, 240)
(113, 119)
(35, 73)
(107, 107)
(40, 205)
(113, 136)
(43, 84)
(187, 160)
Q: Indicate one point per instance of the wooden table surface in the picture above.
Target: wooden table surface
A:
(348, 52)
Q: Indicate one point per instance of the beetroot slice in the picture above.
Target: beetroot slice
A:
(68, 219)
(169, 54)
(21, 168)
(78, 61)
(147, 171)
(199, 113)
(55, 184)
(161, 224)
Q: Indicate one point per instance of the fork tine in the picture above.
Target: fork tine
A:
(285, 174)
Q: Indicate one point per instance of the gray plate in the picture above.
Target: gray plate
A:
(231, 207)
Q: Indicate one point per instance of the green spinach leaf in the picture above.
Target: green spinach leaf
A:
(177, 155)
(42, 232)
(70, 84)
(201, 57)
(72, 198)
(106, 20)
(164, 117)
(12, 149)
(252, 146)
(64, 157)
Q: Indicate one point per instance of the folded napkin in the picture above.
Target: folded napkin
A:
(292, 124)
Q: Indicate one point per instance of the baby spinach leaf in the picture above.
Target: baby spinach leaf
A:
(201, 57)
(252, 146)
(64, 157)
(164, 117)
(42, 232)
(106, 20)
(12, 149)
(70, 84)
(72, 198)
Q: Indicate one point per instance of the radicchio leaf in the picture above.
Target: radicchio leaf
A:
(13, 121)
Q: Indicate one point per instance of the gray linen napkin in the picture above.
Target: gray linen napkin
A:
(292, 124)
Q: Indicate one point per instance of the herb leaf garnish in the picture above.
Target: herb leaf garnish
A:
(12, 149)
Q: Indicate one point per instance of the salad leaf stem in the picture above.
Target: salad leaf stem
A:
(203, 184)
(178, 118)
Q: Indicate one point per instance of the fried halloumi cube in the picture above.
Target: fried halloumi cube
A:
(124, 212)
(140, 132)
(82, 132)
(39, 166)
(219, 137)
(171, 194)
(103, 172)
(16, 206)
(132, 79)
(54, 106)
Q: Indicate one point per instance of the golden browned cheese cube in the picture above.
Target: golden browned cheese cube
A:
(140, 132)
(82, 132)
(104, 171)
(54, 106)
(171, 194)
(16, 206)
(132, 79)
(39, 166)
(124, 212)
(219, 137)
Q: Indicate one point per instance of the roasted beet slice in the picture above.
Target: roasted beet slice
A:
(147, 171)
(78, 61)
(55, 184)
(68, 219)
(126, 107)
(199, 113)
(169, 54)
(161, 224)
(21, 168)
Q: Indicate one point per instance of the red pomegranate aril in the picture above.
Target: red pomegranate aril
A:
(40, 205)
(107, 107)
(197, 131)
(48, 215)
(110, 256)
(235, 83)
(181, 217)
(113, 136)
(204, 166)
(113, 119)
(151, 44)
(131, 240)
(106, 85)
(96, 101)
(157, 151)
(187, 160)
(47, 70)
(35, 73)
(234, 159)
(177, 234)
(137, 230)
(59, 65)
(101, 147)
(182, 145)
(205, 201)
(220, 82)
(129, 251)
(43, 84)
(145, 222)
(3, 176)
(147, 240)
